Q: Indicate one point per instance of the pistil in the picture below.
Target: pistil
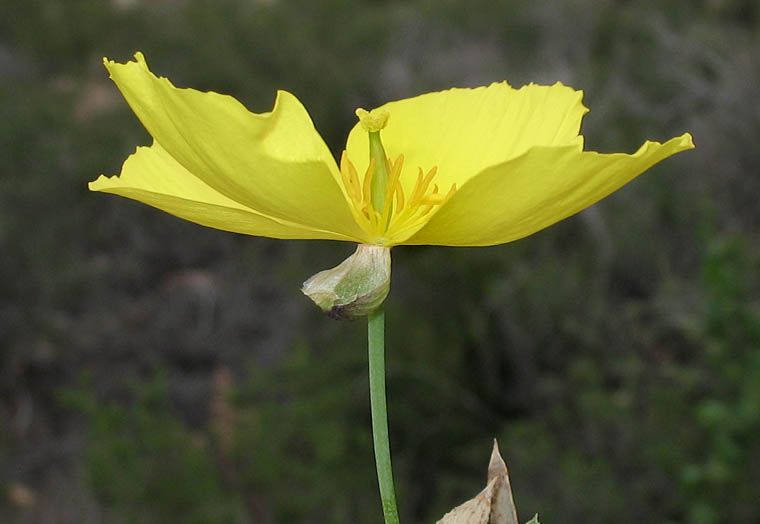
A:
(373, 121)
(372, 199)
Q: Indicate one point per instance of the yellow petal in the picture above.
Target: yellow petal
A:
(519, 197)
(464, 131)
(153, 177)
(275, 163)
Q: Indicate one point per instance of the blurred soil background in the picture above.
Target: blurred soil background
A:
(153, 371)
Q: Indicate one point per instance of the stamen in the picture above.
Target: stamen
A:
(430, 176)
(368, 181)
(350, 178)
(392, 220)
(399, 197)
(393, 184)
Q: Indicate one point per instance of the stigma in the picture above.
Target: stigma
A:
(373, 121)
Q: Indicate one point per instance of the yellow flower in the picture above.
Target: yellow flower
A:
(465, 167)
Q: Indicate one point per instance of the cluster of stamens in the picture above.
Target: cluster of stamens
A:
(400, 213)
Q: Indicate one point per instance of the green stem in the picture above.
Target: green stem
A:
(376, 335)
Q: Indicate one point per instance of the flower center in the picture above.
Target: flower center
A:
(378, 201)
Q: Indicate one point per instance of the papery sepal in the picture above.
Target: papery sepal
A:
(355, 287)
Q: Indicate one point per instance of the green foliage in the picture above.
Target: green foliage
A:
(722, 466)
(305, 426)
(145, 465)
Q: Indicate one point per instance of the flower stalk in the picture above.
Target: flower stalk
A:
(378, 406)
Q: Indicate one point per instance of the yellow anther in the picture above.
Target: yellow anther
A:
(367, 187)
(373, 121)
(350, 178)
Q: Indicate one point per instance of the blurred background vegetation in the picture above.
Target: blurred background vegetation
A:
(153, 371)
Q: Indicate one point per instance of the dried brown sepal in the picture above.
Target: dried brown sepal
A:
(493, 505)
(503, 509)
